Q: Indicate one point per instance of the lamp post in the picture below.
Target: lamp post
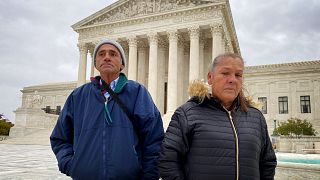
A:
(274, 126)
(274, 135)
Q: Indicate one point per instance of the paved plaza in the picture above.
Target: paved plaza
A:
(28, 162)
(37, 162)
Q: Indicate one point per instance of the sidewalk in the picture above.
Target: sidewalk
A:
(28, 162)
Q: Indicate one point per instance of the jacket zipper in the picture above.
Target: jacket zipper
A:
(237, 142)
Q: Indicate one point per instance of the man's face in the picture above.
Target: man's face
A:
(226, 80)
(108, 59)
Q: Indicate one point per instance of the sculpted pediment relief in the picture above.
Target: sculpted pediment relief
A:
(135, 8)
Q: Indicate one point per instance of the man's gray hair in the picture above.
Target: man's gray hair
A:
(220, 57)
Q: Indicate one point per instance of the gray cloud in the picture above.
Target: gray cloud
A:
(37, 44)
(277, 31)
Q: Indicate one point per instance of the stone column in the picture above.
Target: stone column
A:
(185, 73)
(153, 65)
(142, 56)
(162, 50)
(92, 62)
(95, 70)
(181, 69)
(82, 64)
(132, 70)
(194, 67)
(202, 70)
(216, 30)
(126, 51)
(172, 71)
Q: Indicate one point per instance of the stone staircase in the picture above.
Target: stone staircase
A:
(40, 137)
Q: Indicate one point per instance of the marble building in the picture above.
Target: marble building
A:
(174, 40)
(168, 43)
(286, 90)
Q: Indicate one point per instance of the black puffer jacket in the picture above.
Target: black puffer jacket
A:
(203, 143)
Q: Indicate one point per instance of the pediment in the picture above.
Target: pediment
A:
(127, 9)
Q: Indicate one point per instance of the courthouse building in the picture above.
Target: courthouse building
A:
(169, 43)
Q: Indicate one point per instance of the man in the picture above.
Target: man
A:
(95, 138)
(218, 134)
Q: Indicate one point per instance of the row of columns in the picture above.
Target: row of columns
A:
(157, 54)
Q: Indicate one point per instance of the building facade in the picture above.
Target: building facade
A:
(168, 43)
(290, 90)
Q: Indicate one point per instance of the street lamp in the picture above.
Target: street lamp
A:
(274, 126)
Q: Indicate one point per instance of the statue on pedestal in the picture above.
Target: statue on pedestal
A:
(34, 101)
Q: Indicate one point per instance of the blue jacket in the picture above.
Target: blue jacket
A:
(89, 144)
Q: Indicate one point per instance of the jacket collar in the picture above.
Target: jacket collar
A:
(213, 101)
(121, 82)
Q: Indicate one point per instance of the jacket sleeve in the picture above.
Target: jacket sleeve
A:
(61, 138)
(174, 148)
(268, 160)
(151, 133)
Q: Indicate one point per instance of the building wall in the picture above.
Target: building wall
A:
(292, 80)
(271, 81)
(41, 96)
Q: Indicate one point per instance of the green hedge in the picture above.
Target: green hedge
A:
(5, 127)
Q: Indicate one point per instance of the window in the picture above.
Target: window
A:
(283, 105)
(305, 104)
(263, 101)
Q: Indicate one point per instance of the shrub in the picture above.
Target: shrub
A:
(296, 127)
(4, 126)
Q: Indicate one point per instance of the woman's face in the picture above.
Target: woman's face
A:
(226, 80)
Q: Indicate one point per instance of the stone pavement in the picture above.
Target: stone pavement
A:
(40, 137)
(28, 162)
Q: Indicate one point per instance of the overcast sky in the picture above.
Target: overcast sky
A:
(37, 44)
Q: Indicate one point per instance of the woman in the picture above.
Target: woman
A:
(218, 135)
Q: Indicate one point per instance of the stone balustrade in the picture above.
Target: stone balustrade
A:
(302, 145)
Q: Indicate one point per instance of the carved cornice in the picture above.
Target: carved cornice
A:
(186, 15)
(93, 27)
(49, 87)
(296, 67)
(227, 16)
(138, 8)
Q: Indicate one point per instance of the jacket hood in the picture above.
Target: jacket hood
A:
(199, 89)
